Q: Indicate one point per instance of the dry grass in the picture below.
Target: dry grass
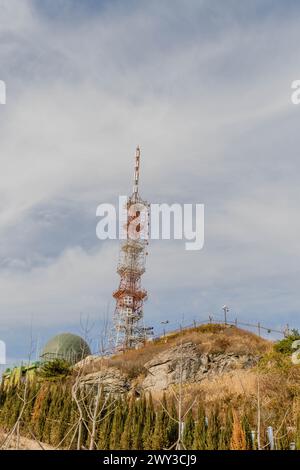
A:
(279, 391)
(227, 386)
(229, 340)
(209, 338)
(233, 387)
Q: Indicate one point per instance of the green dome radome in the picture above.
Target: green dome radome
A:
(71, 348)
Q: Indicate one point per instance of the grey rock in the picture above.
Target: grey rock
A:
(110, 378)
(187, 364)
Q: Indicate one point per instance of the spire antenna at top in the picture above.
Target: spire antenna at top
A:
(136, 173)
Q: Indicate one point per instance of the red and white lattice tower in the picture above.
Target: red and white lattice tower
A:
(129, 329)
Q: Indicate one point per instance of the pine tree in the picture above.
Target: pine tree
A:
(55, 368)
(59, 412)
(117, 427)
(172, 428)
(105, 425)
(238, 438)
(26, 425)
(3, 394)
(72, 417)
(12, 407)
(149, 424)
(138, 423)
(247, 431)
(200, 430)
(48, 411)
(213, 430)
(160, 438)
(283, 441)
(225, 430)
(188, 432)
(297, 437)
(126, 438)
(40, 410)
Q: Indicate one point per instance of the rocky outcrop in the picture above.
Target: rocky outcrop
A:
(110, 378)
(185, 362)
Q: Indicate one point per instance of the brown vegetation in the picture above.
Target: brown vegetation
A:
(210, 338)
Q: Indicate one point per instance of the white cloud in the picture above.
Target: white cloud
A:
(206, 93)
(75, 283)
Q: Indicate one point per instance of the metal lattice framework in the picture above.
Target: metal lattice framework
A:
(129, 329)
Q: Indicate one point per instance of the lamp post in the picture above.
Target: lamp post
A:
(226, 310)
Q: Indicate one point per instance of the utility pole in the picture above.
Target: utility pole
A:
(258, 327)
(226, 310)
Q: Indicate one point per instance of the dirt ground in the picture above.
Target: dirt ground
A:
(24, 443)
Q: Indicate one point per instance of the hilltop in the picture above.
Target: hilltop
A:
(193, 356)
(232, 387)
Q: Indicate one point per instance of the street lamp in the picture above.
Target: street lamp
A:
(226, 310)
(164, 322)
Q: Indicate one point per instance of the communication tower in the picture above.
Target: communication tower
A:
(129, 328)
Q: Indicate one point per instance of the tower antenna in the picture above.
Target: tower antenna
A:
(129, 329)
(135, 194)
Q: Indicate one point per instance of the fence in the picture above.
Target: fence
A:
(256, 326)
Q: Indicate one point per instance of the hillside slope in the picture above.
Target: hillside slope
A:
(189, 357)
(227, 386)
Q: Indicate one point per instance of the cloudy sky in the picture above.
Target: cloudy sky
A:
(204, 86)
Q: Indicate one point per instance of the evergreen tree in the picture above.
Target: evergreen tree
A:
(160, 438)
(3, 394)
(200, 430)
(40, 409)
(283, 441)
(54, 369)
(238, 438)
(213, 430)
(59, 413)
(27, 413)
(12, 407)
(104, 432)
(247, 431)
(117, 427)
(172, 428)
(188, 432)
(48, 411)
(149, 424)
(138, 423)
(126, 438)
(105, 424)
(226, 430)
(297, 437)
(71, 437)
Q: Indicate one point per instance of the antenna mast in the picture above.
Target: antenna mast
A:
(129, 331)
(135, 194)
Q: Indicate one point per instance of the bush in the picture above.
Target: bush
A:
(57, 368)
(285, 345)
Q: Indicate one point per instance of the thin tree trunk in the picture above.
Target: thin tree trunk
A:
(258, 413)
(79, 434)
(94, 420)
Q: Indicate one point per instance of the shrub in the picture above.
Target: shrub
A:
(57, 368)
(285, 345)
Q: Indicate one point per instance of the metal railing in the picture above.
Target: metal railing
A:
(211, 320)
